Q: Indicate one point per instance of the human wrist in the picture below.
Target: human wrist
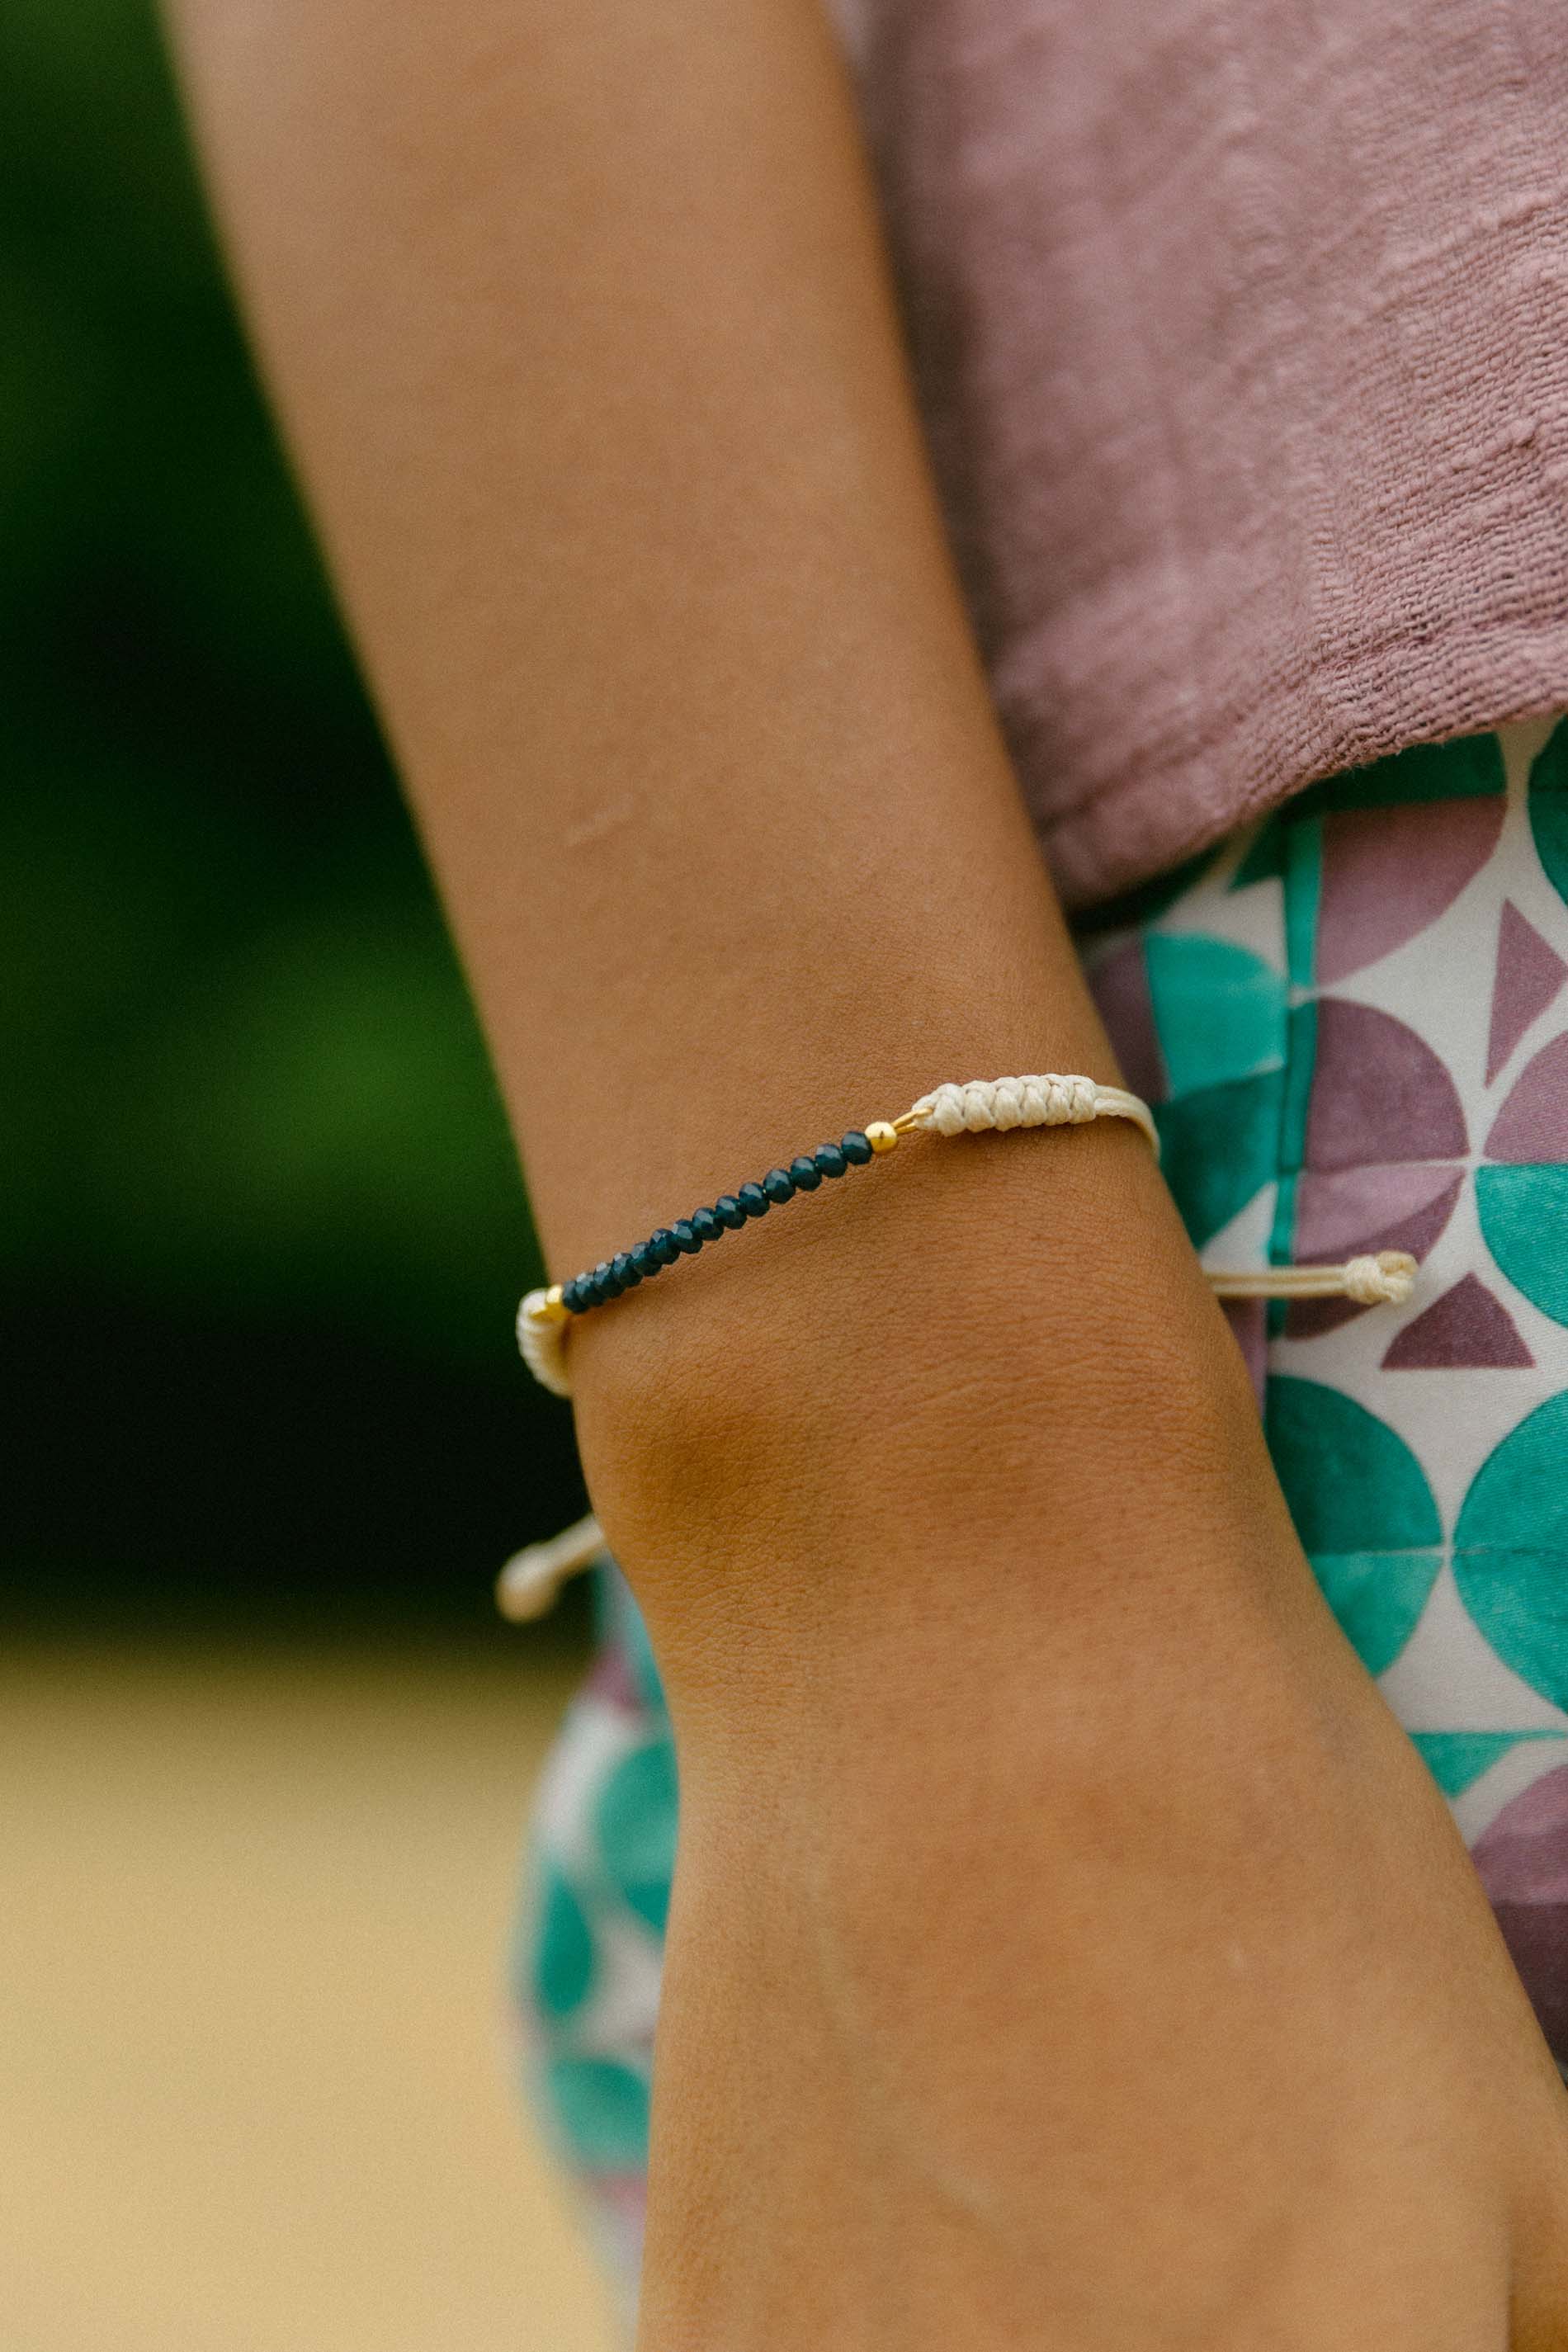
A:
(1007, 1342)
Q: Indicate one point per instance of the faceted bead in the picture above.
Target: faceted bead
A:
(855, 1148)
(665, 1243)
(804, 1173)
(685, 1239)
(624, 1267)
(647, 1259)
(830, 1159)
(753, 1200)
(779, 1184)
(729, 1212)
(706, 1225)
(605, 1280)
(572, 1297)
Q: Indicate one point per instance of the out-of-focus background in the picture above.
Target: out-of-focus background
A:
(265, 1747)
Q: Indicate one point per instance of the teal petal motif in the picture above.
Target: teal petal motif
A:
(1549, 807)
(1218, 1148)
(1219, 1009)
(1456, 1760)
(1362, 1509)
(1524, 1219)
(563, 1948)
(1511, 1549)
(1264, 858)
(601, 2110)
(634, 1823)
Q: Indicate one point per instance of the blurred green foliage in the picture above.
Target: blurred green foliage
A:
(257, 1177)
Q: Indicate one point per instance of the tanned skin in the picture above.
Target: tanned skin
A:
(1068, 1950)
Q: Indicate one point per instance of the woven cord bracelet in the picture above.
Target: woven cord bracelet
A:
(545, 1316)
(978, 1107)
(531, 1580)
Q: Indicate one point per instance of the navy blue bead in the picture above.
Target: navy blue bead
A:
(830, 1159)
(647, 1259)
(729, 1212)
(570, 1298)
(753, 1200)
(857, 1148)
(706, 1225)
(665, 1243)
(804, 1173)
(684, 1238)
(623, 1265)
(604, 1281)
(779, 1184)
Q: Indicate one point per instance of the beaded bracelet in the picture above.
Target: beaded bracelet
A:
(531, 1580)
(980, 1105)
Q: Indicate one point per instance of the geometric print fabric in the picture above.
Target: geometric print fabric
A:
(1352, 1025)
(1396, 1065)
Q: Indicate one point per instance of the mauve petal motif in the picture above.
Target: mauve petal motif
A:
(1248, 1320)
(1532, 1124)
(1523, 1865)
(619, 2204)
(612, 1679)
(1467, 1327)
(1353, 1212)
(1379, 1093)
(1364, 1209)
(1118, 984)
(1390, 872)
(1527, 976)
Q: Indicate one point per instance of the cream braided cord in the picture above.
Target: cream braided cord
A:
(980, 1105)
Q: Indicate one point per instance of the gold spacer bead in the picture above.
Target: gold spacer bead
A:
(550, 1308)
(881, 1135)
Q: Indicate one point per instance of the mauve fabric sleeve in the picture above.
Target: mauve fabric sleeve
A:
(1241, 328)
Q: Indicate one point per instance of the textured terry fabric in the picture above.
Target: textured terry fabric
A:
(1352, 1024)
(1242, 332)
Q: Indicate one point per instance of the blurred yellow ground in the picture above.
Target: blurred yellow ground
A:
(254, 2066)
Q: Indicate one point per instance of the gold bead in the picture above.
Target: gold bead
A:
(550, 1308)
(881, 1135)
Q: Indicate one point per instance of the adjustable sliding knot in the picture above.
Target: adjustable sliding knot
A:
(1385, 1280)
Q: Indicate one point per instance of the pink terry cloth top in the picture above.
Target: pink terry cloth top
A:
(1241, 328)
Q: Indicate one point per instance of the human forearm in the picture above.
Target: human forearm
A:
(579, 323)
(1052, 1885)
